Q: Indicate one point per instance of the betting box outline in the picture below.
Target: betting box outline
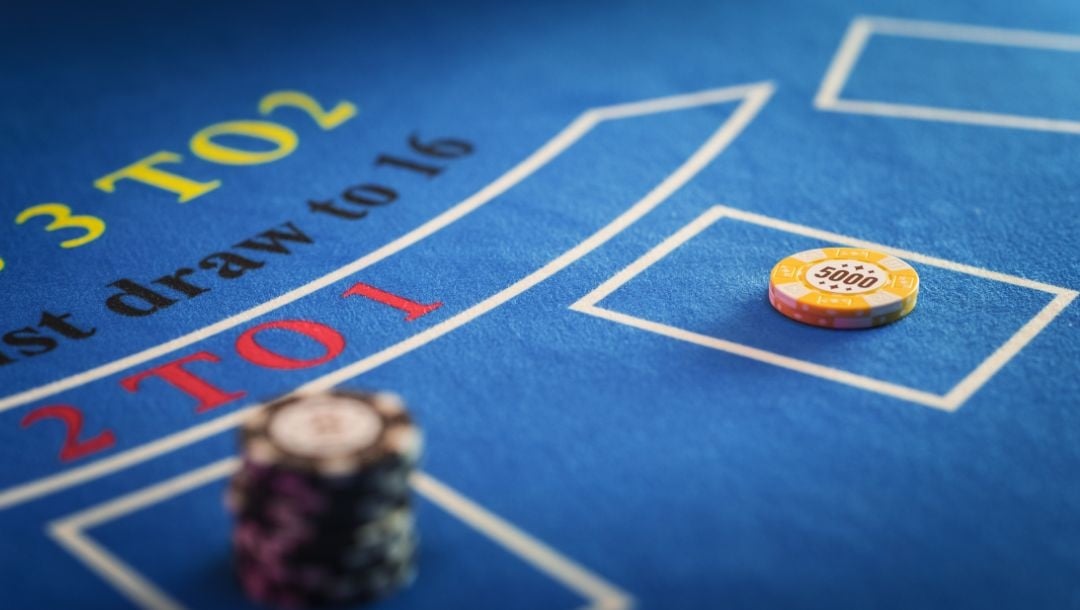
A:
(862, 29)
(71, 532)
(950, 401)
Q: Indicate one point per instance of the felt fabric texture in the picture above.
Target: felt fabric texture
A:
(684, 474)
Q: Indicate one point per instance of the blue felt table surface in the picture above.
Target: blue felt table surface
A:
(657, 437)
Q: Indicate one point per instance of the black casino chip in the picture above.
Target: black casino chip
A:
(321, 501)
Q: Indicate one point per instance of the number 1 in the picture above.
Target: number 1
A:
(427, 170)
(412, 309)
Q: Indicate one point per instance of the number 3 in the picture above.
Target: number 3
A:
(62, 219)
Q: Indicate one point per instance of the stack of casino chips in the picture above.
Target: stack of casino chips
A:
(843, 288)
(321, 500)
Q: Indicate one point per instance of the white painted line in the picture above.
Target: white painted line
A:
(138, 500)
(828, 236)
(712, 147)
(600, 593)
(951, 401)
(112, 570)
(70, 533)
(926, 399)
(753, 98)
(665, 247)
(44, 486)
(863, 28)
(843, 62)
(989, 367)
(975, 34)
(538, 159)
(949, 115)
(541, 157)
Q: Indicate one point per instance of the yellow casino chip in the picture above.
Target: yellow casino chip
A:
(843, 287)
(838, 322)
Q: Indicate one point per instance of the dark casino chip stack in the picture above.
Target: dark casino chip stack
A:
(321, 500)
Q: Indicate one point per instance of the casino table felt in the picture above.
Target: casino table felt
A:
(549, 227)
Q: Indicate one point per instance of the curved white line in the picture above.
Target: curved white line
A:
(538, 159)
(753, 98)
(563, 140)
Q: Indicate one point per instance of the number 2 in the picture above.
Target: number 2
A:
(327, 120)
(72, 418)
